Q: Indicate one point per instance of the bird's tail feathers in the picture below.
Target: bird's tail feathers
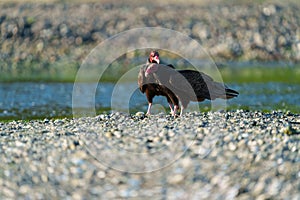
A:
(230, 93)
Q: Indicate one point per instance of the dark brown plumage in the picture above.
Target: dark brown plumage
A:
(188, 85)
(150, 87)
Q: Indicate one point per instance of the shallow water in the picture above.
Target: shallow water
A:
(47, 100)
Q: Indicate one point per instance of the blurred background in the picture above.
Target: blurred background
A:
(255, 44)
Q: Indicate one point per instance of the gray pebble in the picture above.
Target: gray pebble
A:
(79, 158)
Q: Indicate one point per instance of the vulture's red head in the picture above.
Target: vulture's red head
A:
(154, 57)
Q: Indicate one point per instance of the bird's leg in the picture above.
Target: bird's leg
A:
(172, 111)
(183, 105)
(149, 109)
(175, 110)
(181, 111)
(170, 101)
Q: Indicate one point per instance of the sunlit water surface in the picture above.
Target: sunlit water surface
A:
(48, 100)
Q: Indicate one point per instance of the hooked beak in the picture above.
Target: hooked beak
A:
(156, 58)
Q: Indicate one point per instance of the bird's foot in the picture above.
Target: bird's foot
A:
(175, 111)
(172, 113)
(176, 116)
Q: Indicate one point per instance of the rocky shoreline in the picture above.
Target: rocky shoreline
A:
(213, 155)
(40, 35)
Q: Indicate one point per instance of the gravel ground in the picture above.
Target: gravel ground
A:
(214, 155)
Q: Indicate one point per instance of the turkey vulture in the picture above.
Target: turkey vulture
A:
(188, 85)
(152, 89)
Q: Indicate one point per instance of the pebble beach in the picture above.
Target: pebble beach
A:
(237, 154)
(213, 155)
